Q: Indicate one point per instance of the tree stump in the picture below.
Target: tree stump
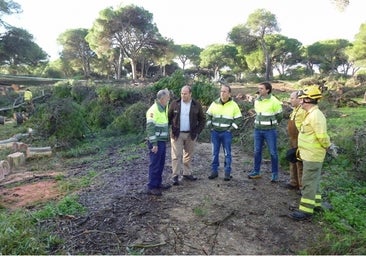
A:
(2, 174)
(4, 168)
(19, 146)
(15, 160)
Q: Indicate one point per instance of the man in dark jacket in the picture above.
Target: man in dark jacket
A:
(187, 120)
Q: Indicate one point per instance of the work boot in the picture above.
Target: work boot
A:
(190, 177)
(289, 186)
(299, 215)
(274, 177)
(165, 186)
(213, 175)
(176, 180)
(154, 192)
(227, 177)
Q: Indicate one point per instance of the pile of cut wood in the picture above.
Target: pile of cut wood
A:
(20, 152)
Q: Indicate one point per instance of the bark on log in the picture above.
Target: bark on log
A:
(2, 174)
(33, 152)
(15, 160)
(39, 149)
(20, 146)
(4, 167)
(18, 136)
(6, 145)
(10, 140)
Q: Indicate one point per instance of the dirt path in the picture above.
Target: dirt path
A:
(241, 216)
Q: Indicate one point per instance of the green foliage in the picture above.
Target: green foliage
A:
(202, 90)
(173, 83)
(60, 120)
(71, 185)
(99, 115)
(81, 149)
(336, 244)
(132, 120)
(62, 90)
(19, 235)
(82, 93)
(9, 98)
(67, 206)
(348, 131)
(205, 92)
(117, 95)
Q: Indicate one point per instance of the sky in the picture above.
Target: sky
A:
(198, 22)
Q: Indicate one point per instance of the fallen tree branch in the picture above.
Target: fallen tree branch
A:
(219, 222)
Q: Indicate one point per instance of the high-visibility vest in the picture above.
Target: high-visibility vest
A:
(223, 116)
(268, 112)
(28, 96)
(294, 123)
(313, 138)
(157, 125)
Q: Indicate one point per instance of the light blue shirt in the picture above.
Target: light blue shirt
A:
(184, 115)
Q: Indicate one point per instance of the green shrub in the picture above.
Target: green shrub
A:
(67, 206)
(173, 83)
(62, 119)
(62, 90)
(99, 115)
(82, 93)
(205, 92)
(132, 120)
(117, 95)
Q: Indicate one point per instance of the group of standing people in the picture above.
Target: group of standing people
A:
(306, 127)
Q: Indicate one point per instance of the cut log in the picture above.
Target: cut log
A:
(39, 149)
(33, 152)
(10, 140)
(20, 146)
(5, 167)
(19, 136)
(6, 145)
(15, 160)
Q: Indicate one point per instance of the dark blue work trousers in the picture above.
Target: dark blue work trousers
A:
(156, 166)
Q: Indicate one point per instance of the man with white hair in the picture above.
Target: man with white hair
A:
(157, 128)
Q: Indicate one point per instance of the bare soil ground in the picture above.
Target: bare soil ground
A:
(220, 217)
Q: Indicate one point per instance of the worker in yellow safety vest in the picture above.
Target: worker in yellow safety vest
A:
(293, 125)
(313, 142)
(222, 116)
(269, 114)
(28, 96)
(28, 99)
(157, 128)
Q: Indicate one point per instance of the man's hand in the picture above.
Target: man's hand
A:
(333, 150)
(154, 149)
